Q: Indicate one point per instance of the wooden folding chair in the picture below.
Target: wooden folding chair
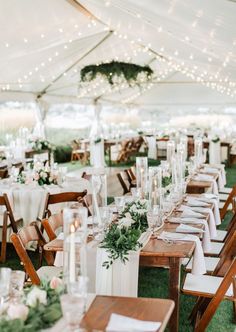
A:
(61, 198)
(8, 221)
(214, 288)
(52, 224)
(131, 173)
(20, 241)
(87, 201)
(124, 181)
(218, 266)
(224, 206)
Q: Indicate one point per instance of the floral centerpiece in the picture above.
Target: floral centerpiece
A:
(42, 175)
(39, 145)
(40, 308)
(123, 236)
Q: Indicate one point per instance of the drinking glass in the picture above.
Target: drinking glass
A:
(63, 170)
(73, 310)
(16, 284)
(119, 203)
(5, 277)
(153, 218)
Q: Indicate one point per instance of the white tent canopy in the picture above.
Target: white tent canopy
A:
(190, 45)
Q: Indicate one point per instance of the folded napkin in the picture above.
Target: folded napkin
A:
(208, 178)
(206, 239)
(119, 323)
(195, 202)
(198, 266)
(215, 171)
(187, 212)
(216, 210)
(212, 222)
(183, 228)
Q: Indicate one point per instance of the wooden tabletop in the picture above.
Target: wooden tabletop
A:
(97, 317)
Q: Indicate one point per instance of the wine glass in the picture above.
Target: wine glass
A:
(119, 202)
(16, 284)
(153, 218)
(5, 277)
(73, 310)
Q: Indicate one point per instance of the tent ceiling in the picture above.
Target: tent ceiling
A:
(44, 44)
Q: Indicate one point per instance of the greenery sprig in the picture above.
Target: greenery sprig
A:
(215, 140)
(110, 71)
(118, 242)
(123, 236)
(166, 181)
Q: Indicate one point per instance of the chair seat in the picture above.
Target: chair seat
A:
(211, 263)
(215, 249)
(220, 236)
(47, 272)
(226, 190)
(206, 285)
(223, 197)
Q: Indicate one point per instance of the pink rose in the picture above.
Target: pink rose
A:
(55, 283)
(18, 311)
(36, 177)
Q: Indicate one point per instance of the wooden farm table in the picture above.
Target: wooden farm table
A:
(99, 312)
(157, 253)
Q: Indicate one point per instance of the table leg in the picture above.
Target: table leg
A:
(174, 286)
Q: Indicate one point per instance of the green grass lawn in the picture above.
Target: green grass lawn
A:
(153, 282)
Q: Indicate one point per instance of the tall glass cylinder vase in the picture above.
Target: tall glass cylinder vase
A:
(141, 176)
(198, 151)
(180, 163)
(74, 251)
(184, 142)
(155, 187)
(170, 151)
(174, 170)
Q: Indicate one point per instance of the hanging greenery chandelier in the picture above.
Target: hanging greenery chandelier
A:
(116, 72)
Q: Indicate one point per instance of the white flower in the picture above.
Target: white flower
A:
(50, 179)
(36, 296)
(127, 221)
(18, 311)
(141, 211)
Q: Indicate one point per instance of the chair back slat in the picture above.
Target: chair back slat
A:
(61, 198)
(52, 224)
(123, 179)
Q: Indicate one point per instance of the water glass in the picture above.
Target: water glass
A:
(16, 284)
(153, 218)
(119, 203)
(73, 310)
(5, 277)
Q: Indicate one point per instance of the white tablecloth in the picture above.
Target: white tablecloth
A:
(28, 201)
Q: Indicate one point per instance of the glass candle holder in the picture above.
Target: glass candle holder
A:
(155, 186)
(75, 238)
(141, 175)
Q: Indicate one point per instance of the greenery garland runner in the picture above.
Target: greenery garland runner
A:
(216, 139)
(41, 145)
(132, 73)
(122, 237)
(40, 308)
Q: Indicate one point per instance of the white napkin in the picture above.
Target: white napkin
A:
(212, 222)
(187, 212)
(195, 202)
(199, 266)
(215, 171)
(119, 323)
(183, 228)
(208, 178)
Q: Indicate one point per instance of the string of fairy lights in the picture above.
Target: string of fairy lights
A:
(136, 49)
